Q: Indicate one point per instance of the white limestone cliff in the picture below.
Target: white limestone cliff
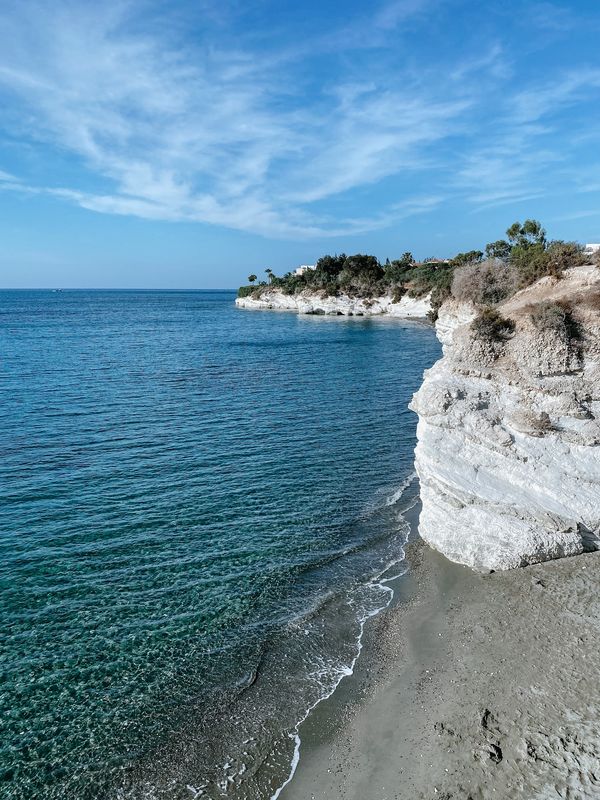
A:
(508, 452)
(342, 305)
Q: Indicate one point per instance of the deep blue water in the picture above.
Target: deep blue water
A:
(195, 503)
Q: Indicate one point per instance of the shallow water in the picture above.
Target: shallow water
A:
(196, 503)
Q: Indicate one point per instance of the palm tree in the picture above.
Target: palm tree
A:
(251, 278)
(269, 274)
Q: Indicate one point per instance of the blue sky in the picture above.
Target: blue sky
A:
(186, 144)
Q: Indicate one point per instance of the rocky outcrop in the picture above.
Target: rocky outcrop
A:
(508, 452)
(341, 305)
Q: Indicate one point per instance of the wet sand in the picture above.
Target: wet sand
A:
(469, 686)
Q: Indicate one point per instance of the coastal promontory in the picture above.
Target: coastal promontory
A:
(508, 452)
(355, 285)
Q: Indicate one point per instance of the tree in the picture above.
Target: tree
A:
(328, 268)
(269, 274)
(362, 269)
(471, 257)
(251, 278)
(398, 269)
(526, 235)
(499, 249)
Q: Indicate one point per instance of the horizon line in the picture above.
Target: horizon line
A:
(111, 289)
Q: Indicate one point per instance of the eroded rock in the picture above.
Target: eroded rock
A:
(508, 450)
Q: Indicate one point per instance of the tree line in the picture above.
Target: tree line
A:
(524, 255)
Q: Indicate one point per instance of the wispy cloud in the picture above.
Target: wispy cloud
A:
(6, 177)
(223, 131)
(201, 133)
(551, 17)
(585, 214)
(397, 12)
(527, 148)
(491, 59)
(553, 96)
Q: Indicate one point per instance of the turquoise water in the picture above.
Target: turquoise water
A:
(196, 504)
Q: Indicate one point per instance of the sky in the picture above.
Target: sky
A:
(186, 144)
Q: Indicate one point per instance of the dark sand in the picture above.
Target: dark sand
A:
(469, 687)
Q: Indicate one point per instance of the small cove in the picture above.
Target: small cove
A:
(196, 502)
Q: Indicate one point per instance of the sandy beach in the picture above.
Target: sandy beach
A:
(469, 686)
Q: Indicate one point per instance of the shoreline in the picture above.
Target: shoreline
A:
(393, 584)
(465, 685)
(341, 305)
(455, 694)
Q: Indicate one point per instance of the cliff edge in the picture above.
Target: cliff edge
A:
(310, 302)
(508, 452)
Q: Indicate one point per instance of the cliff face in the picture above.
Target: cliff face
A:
(342, 305)
(508, 451)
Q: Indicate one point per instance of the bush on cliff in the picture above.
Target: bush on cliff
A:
(564, 255)
(552, 259)
(492, 326)
(246, 291)
(251, 291)
(556, 317)
(485, 284)
(440, 291)
(534, 257)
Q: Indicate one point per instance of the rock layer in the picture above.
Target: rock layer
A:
(341, 305)
(508, 451)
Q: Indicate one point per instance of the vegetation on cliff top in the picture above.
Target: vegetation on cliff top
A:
(482, 277)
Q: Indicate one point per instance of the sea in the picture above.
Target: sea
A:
(201, 507)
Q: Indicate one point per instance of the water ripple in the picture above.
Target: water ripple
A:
(195, 502)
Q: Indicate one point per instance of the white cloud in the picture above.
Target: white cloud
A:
(206, 130)
(396, 12)
(489, 59)
(6, 177)
(554, 96)
(527, 153)
(201, 133)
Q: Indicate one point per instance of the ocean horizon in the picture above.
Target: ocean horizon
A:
(201, 508)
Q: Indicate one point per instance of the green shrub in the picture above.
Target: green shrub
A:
(537, 260)
(492, 326)
(396, 271)
(531, 263)
(248, 291)
(422, 280)
(564, 255)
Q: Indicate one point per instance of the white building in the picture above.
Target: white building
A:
(301, 270)
(591, 248)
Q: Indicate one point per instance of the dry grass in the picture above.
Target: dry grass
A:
(485, 284)
(592, 299)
